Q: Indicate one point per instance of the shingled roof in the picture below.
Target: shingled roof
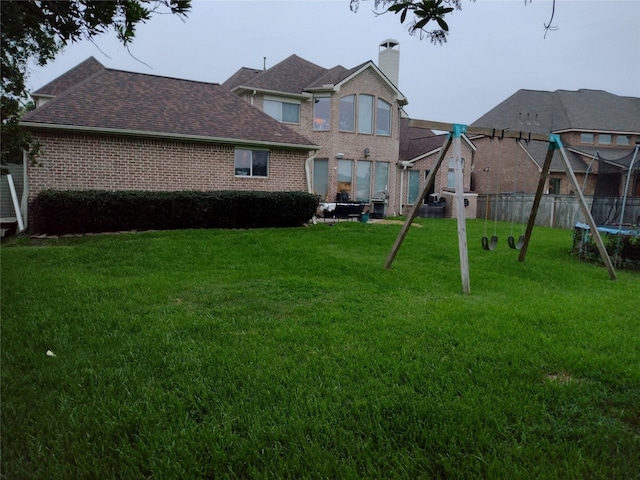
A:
(297, 76)
(114, 101)
(415, 142)
(545, 112)
(64, 82)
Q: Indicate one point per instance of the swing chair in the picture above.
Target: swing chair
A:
(511, 239)
(491, 244)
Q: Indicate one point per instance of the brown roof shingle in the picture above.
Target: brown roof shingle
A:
(77, 74)
(133, 102)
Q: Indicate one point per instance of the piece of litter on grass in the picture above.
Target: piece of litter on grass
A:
(50, 353)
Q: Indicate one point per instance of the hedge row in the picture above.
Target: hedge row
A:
(66, 211)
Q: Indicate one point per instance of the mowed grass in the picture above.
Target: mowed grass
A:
(293, 353)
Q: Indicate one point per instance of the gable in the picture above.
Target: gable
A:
(68, 79)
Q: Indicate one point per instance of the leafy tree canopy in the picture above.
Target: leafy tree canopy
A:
(426, 17)
(38, 30)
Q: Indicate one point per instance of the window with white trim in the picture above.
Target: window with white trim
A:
(365, 114)
(321, 113)
(383, 118)
(348, 113)
(363, 180)
(251, 163)
(285, 112)
(414, 186)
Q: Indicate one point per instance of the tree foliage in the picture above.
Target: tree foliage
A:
(425, 14)
(35, 31)
(426, 17)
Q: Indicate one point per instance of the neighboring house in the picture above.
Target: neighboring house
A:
(352, 114)
(589, 122)
(419, 151)
(102, 128)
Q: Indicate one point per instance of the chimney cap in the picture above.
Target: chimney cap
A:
(389, 43)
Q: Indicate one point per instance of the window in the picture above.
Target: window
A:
(321, 113)
(321, 177)
(622, 139)
(382, 177)
(383, 118)
(554, 186)
(604, 139)
(345, 176)
(286, 112)
(414, 186)
(586, 138)
(365, 114)
(252, 163)
(348, 113)
(363, 180)
(451, 174)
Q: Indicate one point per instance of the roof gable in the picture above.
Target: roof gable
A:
(292, 75)
(118, 101)
(295, 75)
(64, 82)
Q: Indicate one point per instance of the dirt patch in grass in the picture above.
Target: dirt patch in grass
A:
(393, 222)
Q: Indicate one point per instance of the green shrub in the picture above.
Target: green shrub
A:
(65, 211)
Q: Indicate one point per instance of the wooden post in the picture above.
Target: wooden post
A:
(536, 201)
(458, 130)
(585, 209)
(414, 209)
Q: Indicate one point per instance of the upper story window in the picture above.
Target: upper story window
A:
(586, 138)
(383, 118)
(365, 114)
(286, 112)
(622, 139)
(604, 139)
(321, 113)
(251, 163)
(348, 113)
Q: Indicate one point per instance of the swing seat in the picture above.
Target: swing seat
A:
(512, 242)
(490, 245)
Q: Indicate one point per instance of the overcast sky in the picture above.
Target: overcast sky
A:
(494, 49)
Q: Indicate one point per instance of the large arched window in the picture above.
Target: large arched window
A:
(365, 114)
(348, 113)
(383, 118)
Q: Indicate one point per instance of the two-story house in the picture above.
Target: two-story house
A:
(353, 114)
(590, 123)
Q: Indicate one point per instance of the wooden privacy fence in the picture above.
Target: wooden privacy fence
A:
(557, 211)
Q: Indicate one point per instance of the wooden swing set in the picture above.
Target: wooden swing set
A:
(455, 131)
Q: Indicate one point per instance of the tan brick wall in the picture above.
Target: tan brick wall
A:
(91, 162)
(383, 148)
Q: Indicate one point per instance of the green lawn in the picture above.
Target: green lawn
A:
(292, 353)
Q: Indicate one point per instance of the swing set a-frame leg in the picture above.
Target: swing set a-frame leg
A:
(414, 209)
(554, 142)
(536, 202)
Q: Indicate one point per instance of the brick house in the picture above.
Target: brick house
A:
(587, 121)
(108, 129)
(352, 114)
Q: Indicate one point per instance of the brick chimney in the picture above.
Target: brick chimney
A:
(389, 59)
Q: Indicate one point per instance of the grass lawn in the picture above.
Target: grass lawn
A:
(292, 353)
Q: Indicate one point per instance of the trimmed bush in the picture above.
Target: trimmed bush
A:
(84, 211)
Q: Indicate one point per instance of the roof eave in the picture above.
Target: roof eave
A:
(264, 91)
(164, 135)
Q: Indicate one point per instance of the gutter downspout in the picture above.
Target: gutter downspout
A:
(24, 201)
(308, 174)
